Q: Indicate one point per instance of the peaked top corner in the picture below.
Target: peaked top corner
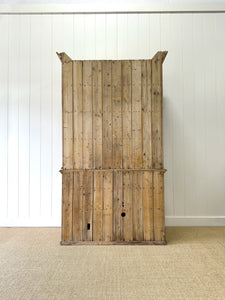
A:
(63, 57)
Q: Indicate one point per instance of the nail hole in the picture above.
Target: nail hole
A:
(123, 214)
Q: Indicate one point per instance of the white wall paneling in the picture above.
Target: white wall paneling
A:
(30, 106)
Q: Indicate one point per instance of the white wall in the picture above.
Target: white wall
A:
(30, 107)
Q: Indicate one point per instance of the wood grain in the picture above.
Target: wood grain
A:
(157, 151)
(67, 114)
(107, 144)
(78, 206)
(147, 206)
(117, 114)
(136, 115)
(159, 213)
(146, 72)
(137, 206)
(112, 152)
(87, 115)
(127, 221)
(107, 205)
(98, 206)
(97, 114)
(67, 202)
(88, 205)
(77, 114)
(118, 205)
(126, 111)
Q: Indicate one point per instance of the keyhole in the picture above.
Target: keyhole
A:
(123, 214)
(88, 226)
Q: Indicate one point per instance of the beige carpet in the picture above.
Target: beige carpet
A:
(34, 266)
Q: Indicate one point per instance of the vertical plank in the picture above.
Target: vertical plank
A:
(117, 114)
(189, 117)
(97, 114)
(159, 218)
(126, 111)
(78, 34)
(57, 43)
(89, 36)
(146, 73)
(127, 221)
(111, 36)
(68, 36)
(107, 116)
(87, 205)
(13, 117)
(219, 90)
(177, 107)
(169, 89)
(157, 153)
(122, 37)
(4, 62)
(136, 115)
(108, 205)
(24, 117)
(154, 33)
(78, 206)
(35, 117)
(87, 115)
(77, 114)
(100, 36)
(132, 36)
(98, 206)
(118, 206)
(137, 206)
(147, 205)
(143, 35)
(46, 113)
(67, 200)
(67, 111)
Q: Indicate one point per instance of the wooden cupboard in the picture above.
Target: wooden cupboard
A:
(112, 174)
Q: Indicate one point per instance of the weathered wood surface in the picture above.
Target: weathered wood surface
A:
(112, 151)
(113, 205)
(112, 114)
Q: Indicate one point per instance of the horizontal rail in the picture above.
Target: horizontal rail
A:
(111, 170)
(188, 7)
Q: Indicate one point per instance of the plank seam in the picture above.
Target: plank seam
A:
(72, 150)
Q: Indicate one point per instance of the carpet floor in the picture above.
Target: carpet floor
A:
(34, 266)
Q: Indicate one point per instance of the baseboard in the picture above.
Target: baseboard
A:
(170, 221)
(195, 220)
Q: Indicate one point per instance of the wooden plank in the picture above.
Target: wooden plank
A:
(78, 206)
(157, 141)
(97, 114)
(117, 114)
(88, 205)
(107, 116)
(127, 221)
(77, 111)
(97, 206)
(136, 115)
(147, 205)
(126, 111)
(107, 207)
(82, 243)
(159, 214)
(118, 205)
(137, 206)
(67, 201)
(146, 73)
(67, 114)
(87, 115)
